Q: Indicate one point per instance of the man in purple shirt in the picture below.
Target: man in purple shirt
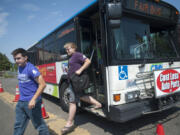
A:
(31, 85)
(77, 64)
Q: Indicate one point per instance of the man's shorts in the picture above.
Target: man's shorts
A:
(74, 97)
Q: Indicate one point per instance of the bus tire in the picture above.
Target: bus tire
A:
(64, 99)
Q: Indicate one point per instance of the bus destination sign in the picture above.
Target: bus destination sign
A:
(149, 8)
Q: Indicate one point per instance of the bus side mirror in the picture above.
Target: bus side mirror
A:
(114, 14)
(114, 10)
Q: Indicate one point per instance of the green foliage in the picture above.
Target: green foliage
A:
(14, 67)
(6, 75)
(5, 64)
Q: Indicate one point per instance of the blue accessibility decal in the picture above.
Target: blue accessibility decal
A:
(123, 72)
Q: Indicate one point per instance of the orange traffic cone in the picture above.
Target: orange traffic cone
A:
(1, 89)
(160, 130)
(43, 111)
(16, 98)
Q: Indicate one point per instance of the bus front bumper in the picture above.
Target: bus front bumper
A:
(129, 111)
(126, 112)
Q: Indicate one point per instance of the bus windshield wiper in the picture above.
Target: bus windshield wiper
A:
(143, 64)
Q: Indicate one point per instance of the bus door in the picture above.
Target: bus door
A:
(89, 42)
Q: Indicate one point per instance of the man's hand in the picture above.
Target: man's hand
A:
(41, 86)
(31, 104)
(78, 72)
(84, 66)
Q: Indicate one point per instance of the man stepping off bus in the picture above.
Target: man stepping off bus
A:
(77, 64)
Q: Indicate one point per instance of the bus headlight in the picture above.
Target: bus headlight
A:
(132, 96)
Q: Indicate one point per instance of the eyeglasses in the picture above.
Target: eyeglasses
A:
(67, 49)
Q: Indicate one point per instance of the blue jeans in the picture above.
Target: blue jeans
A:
(24, 114)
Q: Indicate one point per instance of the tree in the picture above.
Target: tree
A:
(5, 64)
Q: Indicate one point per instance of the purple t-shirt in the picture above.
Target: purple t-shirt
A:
(27, 84)
(75, 62)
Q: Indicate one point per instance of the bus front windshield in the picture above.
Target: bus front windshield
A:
(135, 39)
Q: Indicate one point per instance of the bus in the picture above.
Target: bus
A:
(178, 30)
(135, 57)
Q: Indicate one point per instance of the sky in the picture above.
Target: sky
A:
(25, 22)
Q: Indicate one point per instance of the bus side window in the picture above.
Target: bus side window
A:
(97, 57)
(86, 43)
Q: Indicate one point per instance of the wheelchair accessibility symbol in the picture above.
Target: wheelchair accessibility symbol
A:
(123, 72)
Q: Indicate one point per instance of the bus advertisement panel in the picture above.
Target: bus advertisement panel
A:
(167, 82)
(48, 71)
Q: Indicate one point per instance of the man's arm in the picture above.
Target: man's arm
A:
(41, 86)
(87, 62)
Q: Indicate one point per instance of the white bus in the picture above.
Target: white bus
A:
(135, 54)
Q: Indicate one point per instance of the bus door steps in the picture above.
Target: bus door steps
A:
(98, 112)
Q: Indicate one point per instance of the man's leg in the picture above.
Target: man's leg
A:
(72, 107)
(72, 112)
(36, 118)
(91, 100)
(21, 120)
(69, 127)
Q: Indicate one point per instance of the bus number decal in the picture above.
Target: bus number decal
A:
(123, 72)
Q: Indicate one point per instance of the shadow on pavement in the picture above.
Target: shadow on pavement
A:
(139, 125)
(143, 125)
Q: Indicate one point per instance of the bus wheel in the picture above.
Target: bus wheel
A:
(64, 96)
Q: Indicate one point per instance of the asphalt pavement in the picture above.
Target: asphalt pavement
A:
(7, 120)
(87, 123)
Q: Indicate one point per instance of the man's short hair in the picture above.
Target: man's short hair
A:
(70, 44)
(22, 51)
